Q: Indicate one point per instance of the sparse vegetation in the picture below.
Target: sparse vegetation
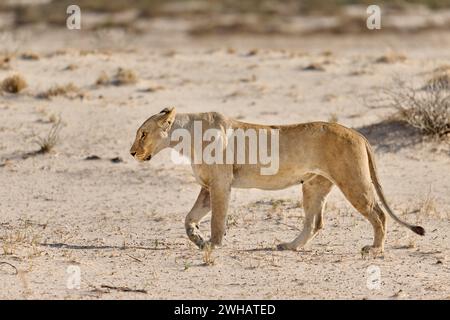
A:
(122, 224)
(208, 259)
(14, 84)
(315, 66)
(440, 78)
(154, 88)
(428, 205)
(266, 16)
(4, 62)
(333, 117)
(425, 109)
(125, 77)
(8, 245)
(68, 90)
(29, 56)
(20, 239)
(391, 57)
(103, 79)
(47, 143)
(252, 52)
(231, 221)
(122, 77)
(71, 67)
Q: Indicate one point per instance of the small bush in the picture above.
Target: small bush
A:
(425, 109)
(14, 84)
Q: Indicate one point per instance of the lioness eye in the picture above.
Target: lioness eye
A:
(143, 135)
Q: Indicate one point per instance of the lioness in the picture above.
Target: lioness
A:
(317, 155)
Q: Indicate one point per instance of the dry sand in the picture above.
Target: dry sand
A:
(121, 222)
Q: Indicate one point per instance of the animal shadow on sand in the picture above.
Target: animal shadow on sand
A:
(100, 247)
(391, 135)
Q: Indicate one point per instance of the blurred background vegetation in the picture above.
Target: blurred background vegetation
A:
(24, 12)
(160, 7)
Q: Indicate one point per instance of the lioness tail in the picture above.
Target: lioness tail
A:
(373, 173)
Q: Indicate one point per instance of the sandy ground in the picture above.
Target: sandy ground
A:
(121, 222)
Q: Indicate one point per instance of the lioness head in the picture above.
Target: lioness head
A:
(153, 135)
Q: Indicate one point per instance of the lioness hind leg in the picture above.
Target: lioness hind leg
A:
(200, 209)
(315, 192)
(378, 220)
(361, 195)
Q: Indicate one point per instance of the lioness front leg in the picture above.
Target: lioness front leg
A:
(220, 196)
(200, 209)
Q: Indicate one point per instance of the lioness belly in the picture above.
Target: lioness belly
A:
(253, 179)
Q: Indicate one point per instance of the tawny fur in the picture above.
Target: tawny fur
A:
(317, 155)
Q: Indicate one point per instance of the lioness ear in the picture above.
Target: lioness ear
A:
(166, 119)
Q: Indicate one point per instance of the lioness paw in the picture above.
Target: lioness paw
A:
(196, 237)
(371, 251)
(285, 246)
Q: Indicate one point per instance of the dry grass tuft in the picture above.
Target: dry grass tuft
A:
(68, 90)
(231, 221)
(333, 117)
(22, 240)
(315, 66)
(71, 67)
(439, 79)
(186, 265)
(14, 84)
(208, 259)
(327, 53)
(442, 68)
(5, 62)
(154, 88)
(8, 245)
(428, 205)
(125, 77)
(391, 57)
(30, 56)
(103, 79)
(252, 52)
(47, 143)
(122, 77)
(231, 50)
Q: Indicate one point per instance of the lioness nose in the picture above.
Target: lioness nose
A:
(133, 153)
